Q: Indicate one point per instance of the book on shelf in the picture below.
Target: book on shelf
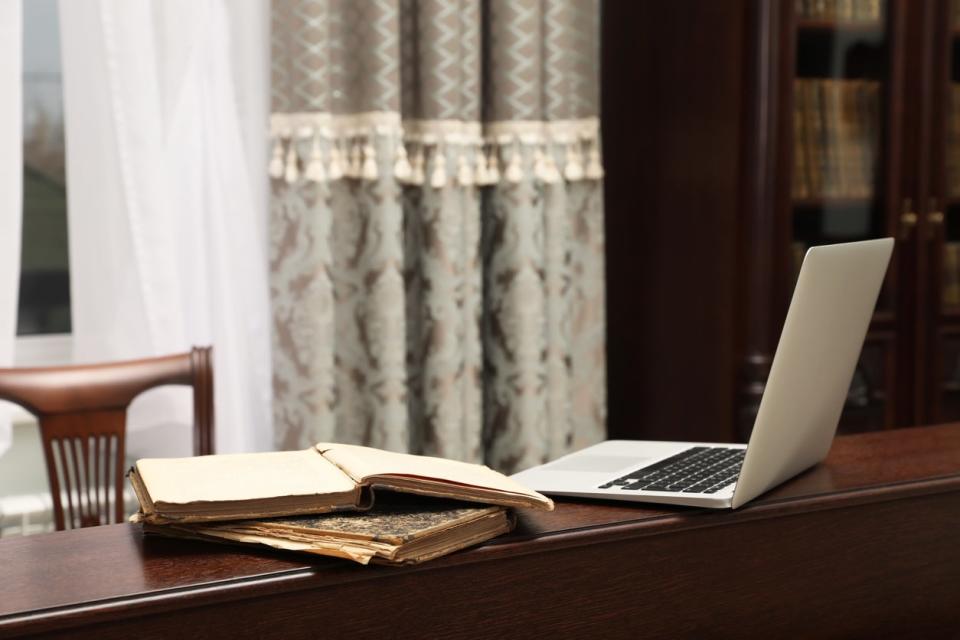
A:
(397, 530)
(801, 188)
(836, 132)
(835, 182)
(327, 477)
(840, 10)
(811, 139)
(856, 145)
(868, 106)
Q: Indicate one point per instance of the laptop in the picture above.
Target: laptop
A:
(822, 336)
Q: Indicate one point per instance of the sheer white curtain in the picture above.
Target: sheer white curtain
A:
(166, 216)
(11, 186)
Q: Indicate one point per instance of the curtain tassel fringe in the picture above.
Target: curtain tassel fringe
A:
(480, 175)
(464, 173)
(439, 176)
(573, 170)
(594, 168)
(370, 171)
(335, 169)
(315, 170)
(291, 172)
(402, 170)
(551, 175)
(417, 171)
(355, 165)
(493, 167)
(514, 170)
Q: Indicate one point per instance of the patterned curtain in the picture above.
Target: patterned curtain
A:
(437, 227)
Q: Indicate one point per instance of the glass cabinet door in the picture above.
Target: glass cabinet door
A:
(839, 123)
(841, 129)
(949, 174)
(943, 224)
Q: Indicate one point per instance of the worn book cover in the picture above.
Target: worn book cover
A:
(399, 530)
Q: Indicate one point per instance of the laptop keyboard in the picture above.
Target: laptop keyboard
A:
(696, 470)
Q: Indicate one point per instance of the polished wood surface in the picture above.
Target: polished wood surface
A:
(863, 544)
(82, 409)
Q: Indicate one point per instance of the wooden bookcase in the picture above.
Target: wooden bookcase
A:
(738, 133)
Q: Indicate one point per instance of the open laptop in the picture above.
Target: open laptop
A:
(819, 346)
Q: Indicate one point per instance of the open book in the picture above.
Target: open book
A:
(327, 477)
(395, 531)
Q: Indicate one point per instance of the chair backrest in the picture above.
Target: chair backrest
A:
(82, 413)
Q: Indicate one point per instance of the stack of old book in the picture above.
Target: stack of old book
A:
(346, 501)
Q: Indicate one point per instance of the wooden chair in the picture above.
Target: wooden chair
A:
(82, 412)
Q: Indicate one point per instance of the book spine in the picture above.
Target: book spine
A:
(856, 142)
(845, 10)
(816, 158)
(845, 136)
(800, 172)
(865, 143)
(868, 107)
(834, 185)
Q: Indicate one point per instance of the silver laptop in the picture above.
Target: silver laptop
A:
(811, 372)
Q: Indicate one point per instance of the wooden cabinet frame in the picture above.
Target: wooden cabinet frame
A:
(690, 223)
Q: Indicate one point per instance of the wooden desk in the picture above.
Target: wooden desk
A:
(866, 544)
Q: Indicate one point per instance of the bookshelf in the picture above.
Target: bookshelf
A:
(844, 71)
(845, 120)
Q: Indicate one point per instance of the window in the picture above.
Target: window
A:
(44, 305)
(43, 322)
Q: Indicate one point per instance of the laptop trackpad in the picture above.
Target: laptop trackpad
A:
(596, 463)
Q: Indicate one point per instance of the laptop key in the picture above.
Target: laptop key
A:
(697, 488)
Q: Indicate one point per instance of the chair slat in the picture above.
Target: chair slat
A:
(82, 416)
(67, 480)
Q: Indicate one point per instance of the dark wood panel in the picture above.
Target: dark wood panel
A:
(691, 581)
(847, 539)
(672, 107)
(763, 263)
(733, 581)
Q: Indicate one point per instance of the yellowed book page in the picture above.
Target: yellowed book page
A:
(364, 463)
(242, 476)
(335, 549)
